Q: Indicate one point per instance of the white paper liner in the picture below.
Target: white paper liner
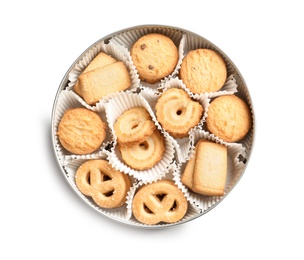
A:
(114, 108)
(116, 51)
(192, 42)
(235, 169)
(248, 139)
(129, 37)
(120, 213)
(66, 100)
(230, 88)
(182, 145)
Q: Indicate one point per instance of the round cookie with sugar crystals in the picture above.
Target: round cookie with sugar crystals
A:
(229, 118)
(203, 70)
(81, 131)
(155, 56)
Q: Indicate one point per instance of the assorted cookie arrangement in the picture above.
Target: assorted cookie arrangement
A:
(153, 127)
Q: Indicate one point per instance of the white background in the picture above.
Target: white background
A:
(42, 218)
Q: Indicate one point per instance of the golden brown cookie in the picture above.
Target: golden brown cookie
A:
(229, 118)
(177, 112)
(102, 81)
(203, 70)
(144, 155)
(155, 56)
(107, 187)
(100, 60)
(133, 126)
(187, 175)
(81, 131)
(210, 170)
(157, 202)
(206, 172)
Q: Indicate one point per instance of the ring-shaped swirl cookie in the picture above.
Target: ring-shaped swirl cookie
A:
(177, 112)
(133, 126)
(107, 187)
(144, 155)
(157, 202)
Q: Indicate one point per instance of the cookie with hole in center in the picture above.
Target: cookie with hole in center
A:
(133, 126)
(177, 112)
(144, 155)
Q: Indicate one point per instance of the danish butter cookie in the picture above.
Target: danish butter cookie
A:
(81, 131)
(187, 176)
(98, 83)
(107, 187)
(145, 155)
(206, 172)
(177, 112)
(134, 126)
(155, 56)
(100, 60)
(203, 70)
(229, 118)
(157, 202)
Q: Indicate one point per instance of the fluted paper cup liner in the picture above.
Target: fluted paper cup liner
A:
(192, 211)
(128, 38)
(121, 213)
(182, 144)
(114, 108)
(116, 51)
(235, 167)
(67, 100)
(192, 42)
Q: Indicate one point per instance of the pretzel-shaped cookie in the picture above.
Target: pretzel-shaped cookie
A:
(161, 201)
(107, 187)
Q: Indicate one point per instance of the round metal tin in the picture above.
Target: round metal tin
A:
(197, 41)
